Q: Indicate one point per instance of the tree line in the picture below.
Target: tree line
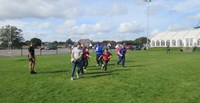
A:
(12, 37)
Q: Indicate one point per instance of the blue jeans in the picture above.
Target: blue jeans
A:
(74, 65)
(99, 61)
(121, 59)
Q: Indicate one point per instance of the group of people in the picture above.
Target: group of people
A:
(80, 56)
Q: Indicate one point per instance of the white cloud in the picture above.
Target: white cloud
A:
(154, 32)
(91, 29)
(178, 27)
(196, 17)
(130, 28)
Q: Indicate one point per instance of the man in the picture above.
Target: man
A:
(168, 49)
(31, 57)
(76, 60)
(99, 52)
(122, 53)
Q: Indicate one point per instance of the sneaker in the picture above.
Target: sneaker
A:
(97, 65)
(84, 70)
(33, 72)
(72, 78)
(77, 75)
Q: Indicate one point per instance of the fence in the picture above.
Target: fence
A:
(24, 52)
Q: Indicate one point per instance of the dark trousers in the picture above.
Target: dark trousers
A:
(105, 64)
(99, 61)
(168, 51)
(121, 59)
(85, 63)
(74, 65)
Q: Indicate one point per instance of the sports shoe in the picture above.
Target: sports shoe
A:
(97, 65)
(84, 70)
(33, 72)
(72, 78)
(77, 75)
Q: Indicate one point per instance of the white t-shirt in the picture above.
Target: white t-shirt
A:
(77, 53)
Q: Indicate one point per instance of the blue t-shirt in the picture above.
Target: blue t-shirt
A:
(122, 51)
(99, 50)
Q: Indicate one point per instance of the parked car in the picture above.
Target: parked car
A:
(51, 47)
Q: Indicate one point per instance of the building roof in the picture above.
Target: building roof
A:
(177, 35)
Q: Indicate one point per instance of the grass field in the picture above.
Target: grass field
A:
(149, 77)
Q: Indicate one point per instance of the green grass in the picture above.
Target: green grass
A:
(149, 77)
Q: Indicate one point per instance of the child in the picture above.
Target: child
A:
(106, 57)
(86, 56)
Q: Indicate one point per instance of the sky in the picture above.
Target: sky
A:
(98, 20)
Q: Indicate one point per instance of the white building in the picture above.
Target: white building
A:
(177, 39)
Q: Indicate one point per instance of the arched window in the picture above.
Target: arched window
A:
(153, 43)
(157, 43)
(173, 42)
(180, 43)
(162, 43)
(198, 42)
(168, 42)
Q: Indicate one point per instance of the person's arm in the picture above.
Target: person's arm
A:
(110, 55)
(88, 56)
(100, 57)
(119, 53)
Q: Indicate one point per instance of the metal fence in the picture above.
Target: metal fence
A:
(24, 52)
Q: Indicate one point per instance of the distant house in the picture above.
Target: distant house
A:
(85, 42)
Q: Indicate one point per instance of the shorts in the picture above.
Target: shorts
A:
(31, 60)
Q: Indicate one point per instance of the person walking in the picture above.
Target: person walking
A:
(122, 53)
(76, 60)
(99, 52)
(31, 58)
(168, 49)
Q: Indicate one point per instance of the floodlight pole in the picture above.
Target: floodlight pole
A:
(148, 1)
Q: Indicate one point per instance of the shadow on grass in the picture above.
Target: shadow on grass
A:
(57, 71)
(135, 66)
(22, 59)
(100, 75)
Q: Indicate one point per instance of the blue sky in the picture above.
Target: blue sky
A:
(97, 20)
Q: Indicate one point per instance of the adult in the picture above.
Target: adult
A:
(31, 58)
(168, 49)
(76, 56)
(122, 53)
(99, 52)
(118, 47)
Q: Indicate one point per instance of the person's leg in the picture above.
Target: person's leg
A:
(105, 65)
(97, 59)
(120, 59)
(123, 61)
(33, 66)
(86, 63)
(74, 64)
(81, 67)
(30, 66)
(101, 60)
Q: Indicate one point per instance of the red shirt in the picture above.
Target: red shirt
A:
(85, 53)
(106, 55)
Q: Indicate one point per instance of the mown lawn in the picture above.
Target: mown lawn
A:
(149, 77)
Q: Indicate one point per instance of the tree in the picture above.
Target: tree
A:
(11, 36)
(69, 42)
(55, 43)
(37, 41)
